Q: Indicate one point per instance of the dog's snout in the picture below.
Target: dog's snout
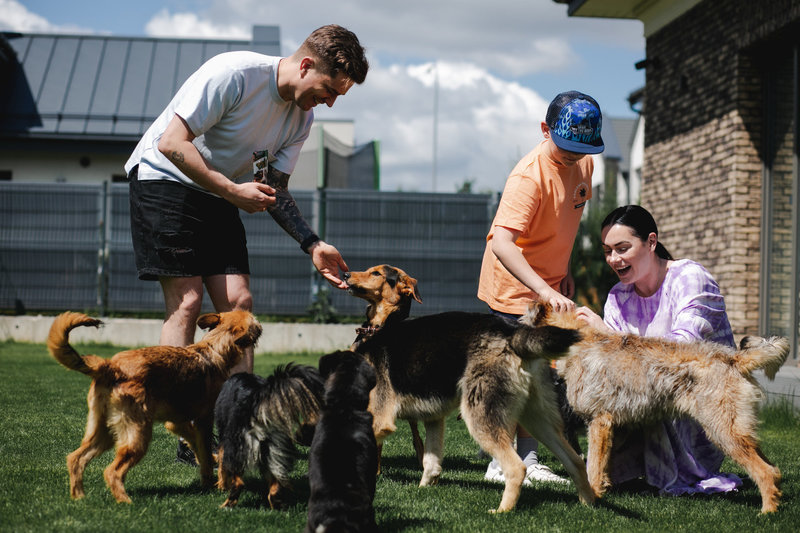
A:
(346, 276)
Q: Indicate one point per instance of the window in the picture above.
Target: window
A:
(780, 252)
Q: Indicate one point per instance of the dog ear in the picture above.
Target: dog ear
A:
(409, 288)
(208, 321)
(536, 315)
(391, 274)
(329, 362)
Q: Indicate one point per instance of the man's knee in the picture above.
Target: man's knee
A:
(244, 302)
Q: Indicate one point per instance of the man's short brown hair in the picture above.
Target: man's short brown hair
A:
(337, 50)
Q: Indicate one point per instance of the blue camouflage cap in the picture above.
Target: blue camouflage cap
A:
(575, 122)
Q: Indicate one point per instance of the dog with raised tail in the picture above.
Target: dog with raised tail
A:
(618, 379)
(135, 388)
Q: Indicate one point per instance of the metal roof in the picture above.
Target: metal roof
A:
(100, 87)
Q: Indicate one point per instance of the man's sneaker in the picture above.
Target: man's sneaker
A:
(185, 454)
(540, 472)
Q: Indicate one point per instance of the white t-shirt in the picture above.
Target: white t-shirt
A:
(231, 103)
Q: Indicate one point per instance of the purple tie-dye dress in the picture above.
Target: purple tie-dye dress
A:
(674, 456)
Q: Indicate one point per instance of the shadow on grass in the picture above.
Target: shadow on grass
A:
(639, 488)
(403, 524)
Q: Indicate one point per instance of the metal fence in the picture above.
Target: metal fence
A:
(68, 246)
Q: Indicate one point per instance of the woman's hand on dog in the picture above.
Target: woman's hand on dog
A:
(328, 262)
(591, 318)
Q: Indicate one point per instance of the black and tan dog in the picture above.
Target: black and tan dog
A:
(616, 379)
(343, 461)
(259, 421)
(389, 292)
(495, 370)
(135, 388)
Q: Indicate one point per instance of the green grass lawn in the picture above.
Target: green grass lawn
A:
(42, 418)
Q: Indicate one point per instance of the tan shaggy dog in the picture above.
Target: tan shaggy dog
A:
(137, 387)
(616, 379)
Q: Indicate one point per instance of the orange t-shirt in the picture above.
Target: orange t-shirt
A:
(544, 201)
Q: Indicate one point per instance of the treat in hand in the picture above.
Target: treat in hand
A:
(260, 165)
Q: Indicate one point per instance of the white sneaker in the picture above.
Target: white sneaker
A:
(540, 472)
(495, 474)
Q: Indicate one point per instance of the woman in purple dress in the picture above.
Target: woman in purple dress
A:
(658, 296)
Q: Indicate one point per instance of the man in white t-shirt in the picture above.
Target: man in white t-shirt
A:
(193, 170)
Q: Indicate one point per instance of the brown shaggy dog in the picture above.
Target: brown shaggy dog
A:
(616, 379)
(137, 387)
(388, 291)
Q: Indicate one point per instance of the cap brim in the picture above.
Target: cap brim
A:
(578, 147)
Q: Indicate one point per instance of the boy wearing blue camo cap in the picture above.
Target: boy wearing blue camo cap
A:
(531, 238)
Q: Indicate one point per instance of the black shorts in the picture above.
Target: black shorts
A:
(178, 231)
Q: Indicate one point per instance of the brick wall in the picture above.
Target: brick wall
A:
(702, 175)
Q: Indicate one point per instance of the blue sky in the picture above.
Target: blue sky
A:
(499, 65)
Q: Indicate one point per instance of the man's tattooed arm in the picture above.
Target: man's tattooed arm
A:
(285, 211)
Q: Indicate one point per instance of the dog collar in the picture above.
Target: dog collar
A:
(368, 331)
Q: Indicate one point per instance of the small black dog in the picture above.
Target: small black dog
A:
(259, 420)
(343, 461)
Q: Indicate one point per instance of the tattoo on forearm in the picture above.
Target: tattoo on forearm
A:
(177, 156)
(285, 211)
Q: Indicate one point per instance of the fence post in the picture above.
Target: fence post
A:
(102, 251)
(318, 214)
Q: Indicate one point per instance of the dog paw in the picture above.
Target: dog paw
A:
(429, 481)
(229, 504)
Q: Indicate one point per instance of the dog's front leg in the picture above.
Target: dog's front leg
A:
(601, 434)
(434, 447)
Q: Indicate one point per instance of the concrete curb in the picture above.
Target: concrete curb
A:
(276, 337)
(281, 338)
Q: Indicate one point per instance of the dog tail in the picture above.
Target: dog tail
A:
(759, 353)
(60, 349)
(543, 342)
(290, 401)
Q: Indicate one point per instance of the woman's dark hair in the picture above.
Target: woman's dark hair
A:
(641, 223)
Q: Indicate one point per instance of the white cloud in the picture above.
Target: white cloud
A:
(16, 17)
(507, 37)
(485, 124)
(166, 24)
(489, 55)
